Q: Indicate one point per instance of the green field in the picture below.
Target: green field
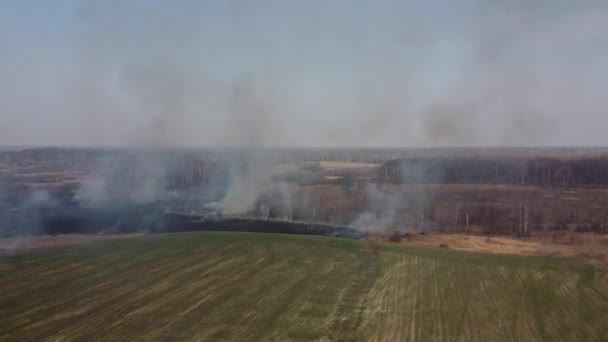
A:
(244, 287)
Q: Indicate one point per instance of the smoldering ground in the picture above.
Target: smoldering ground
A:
(392, 208)
(132, 190)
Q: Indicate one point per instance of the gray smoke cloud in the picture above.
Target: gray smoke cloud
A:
(192, 73)
(382, 211)
(468, 73)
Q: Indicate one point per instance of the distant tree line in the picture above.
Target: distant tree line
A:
(538, 171)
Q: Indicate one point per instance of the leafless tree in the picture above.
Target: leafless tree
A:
(455, 225)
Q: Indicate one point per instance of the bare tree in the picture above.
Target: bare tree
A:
(455, 225)
(314, 215)
(524, 214)
(520, 220)
(421, 215)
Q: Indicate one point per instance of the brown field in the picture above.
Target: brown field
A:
(587, 246)
(341, 165)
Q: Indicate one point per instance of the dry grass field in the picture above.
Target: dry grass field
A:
(246, 286)
(581, 245)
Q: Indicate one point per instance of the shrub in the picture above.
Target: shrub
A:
(395, 237)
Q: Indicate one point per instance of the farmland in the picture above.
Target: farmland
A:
(246, 286)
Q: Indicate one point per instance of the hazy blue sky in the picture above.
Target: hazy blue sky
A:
(304, 73)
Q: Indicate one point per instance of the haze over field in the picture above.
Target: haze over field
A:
(311, 73)
(303, 170)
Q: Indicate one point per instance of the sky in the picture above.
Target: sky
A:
(304, 73)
